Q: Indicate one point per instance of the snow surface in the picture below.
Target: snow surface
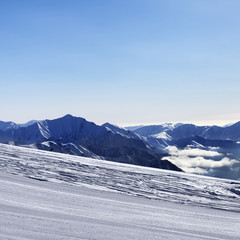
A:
(46, 195)
(162, 135)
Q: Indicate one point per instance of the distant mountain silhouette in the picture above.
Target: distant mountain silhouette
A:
(179, 131)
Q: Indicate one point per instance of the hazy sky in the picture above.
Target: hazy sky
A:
(122, 61)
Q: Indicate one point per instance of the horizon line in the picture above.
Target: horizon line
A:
(209, 122)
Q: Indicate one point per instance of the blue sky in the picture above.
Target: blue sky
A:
(123, 61)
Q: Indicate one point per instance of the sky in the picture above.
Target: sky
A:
(127, 62)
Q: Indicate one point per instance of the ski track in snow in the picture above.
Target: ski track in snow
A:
(128, 179)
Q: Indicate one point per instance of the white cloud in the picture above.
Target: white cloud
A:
(207, 162)
(196, 170)
(199, 164)
(192, 152)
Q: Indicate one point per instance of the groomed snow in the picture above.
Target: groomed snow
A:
(47, 195)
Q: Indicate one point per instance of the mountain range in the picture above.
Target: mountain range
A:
(208, 150)
(179, 130)
(166, 146)
(75, 135)
(183, 135)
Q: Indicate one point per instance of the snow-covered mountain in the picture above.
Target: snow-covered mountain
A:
(27, 123)
(4, 126)
(154, 130)
(122, 131)
(178, 131)
(75, 135)
(11, 125)
(231, 132)
(208, 150)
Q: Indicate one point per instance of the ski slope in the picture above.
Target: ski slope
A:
(47, 195)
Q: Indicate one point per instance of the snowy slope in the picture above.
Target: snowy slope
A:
(35, 210)
(82, 198)
(148, 131)
(121, 131)
(134, 180)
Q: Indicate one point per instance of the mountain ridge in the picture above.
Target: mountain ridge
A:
(177, 131)
(75, 135)
(209, 150)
